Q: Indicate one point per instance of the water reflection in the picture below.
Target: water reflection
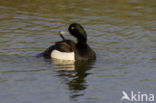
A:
(63, 65)
(73, 74)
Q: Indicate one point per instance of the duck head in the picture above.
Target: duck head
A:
(78, 31)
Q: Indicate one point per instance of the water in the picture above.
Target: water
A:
(123, 34)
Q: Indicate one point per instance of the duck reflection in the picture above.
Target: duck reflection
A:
(73, 74)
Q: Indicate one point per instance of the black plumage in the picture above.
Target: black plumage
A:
(81, 48)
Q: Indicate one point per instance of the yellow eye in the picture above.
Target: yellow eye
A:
(72, 27)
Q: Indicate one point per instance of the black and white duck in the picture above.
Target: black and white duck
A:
(68, 49)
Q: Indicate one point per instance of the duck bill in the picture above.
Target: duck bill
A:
(64, 32)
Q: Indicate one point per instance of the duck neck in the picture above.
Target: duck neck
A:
(82, 42)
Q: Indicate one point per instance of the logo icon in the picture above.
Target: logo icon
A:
(125, 96)
(137, 97)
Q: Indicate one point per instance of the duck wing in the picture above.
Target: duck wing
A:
(62, 46)
(65, 46)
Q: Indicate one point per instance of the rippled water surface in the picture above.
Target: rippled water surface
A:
(123, 34)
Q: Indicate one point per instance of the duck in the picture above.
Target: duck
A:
(70, 50)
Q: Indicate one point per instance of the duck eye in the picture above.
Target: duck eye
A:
(72, 27)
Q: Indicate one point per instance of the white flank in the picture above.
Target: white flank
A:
(62, 55)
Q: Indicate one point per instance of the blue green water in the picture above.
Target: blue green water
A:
(122, 33)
